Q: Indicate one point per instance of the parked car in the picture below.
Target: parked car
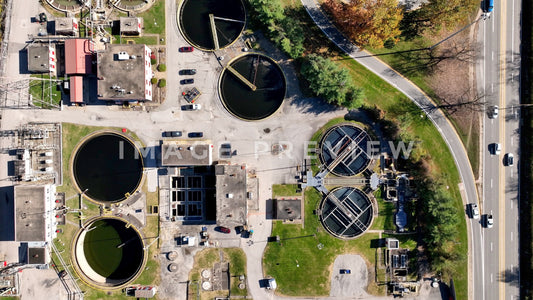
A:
(271, 284)
(172, 133)
(196, 134)
(493, 112)
(496, 148)
(489, 221)
(474, 210)
(191, 107)
(225, 150)
(222, 229)
(187, 81)
(345, 271)
(509, 159)
(186, 49)
(187, 72)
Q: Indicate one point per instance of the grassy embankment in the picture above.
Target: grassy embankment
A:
(430, 147)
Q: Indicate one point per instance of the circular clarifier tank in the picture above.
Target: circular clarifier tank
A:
(344, 150)
(108, 253)
(107, 166)
(198, 18)
(252, 87)
(346, 212)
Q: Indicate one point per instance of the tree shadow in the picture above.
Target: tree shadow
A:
(510, 276)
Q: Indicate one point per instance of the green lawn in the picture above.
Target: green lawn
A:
(385, 219)
(284, 190)
(430, 148)
(45, 93)
(154, 19)
(312, 275)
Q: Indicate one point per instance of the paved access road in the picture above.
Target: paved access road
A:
(497, 272)
(468, 188)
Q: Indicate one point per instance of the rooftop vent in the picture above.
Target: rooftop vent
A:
(123, 55)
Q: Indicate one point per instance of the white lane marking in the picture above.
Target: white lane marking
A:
(512, 75)
(511, 204)
(491, 278)
(512, 141)
(511, 173)
(492, 87)
(511, 240)
(491, 183)
(492, 55)
(493, 24)
(490, 246)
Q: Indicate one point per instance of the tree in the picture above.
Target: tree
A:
(434, 14)
(162, 83)
(330, 82)
(162, 67)
(268, 11)
(367, 22)
(284, 31)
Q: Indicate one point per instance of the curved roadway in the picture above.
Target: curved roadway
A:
(468, 188)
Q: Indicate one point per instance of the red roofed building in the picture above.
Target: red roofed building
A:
(76, 89)
(78, 56)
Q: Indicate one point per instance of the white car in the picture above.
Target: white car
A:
(493, 112)
(474, 210)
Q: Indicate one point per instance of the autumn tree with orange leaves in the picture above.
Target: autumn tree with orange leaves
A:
(368, 23)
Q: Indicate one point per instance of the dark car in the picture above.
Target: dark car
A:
(62, 274)
(187, 72)
(186, 49)
(509, 159)
(196, 134)
(187, 81)
(225, 150)
(222, 229)
(345, 271)
(172, 134)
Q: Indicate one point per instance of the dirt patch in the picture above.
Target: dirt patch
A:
(453, 82)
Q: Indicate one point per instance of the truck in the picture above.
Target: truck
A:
(489, 7)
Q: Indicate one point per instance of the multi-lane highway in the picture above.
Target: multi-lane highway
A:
(495, 250)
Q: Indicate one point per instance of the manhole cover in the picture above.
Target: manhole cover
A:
(206, 285)
(206, 274)
(241, 286)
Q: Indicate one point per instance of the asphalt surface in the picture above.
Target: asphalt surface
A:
(496, 272)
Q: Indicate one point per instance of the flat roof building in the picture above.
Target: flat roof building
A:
(124, 73)
(66, 26)
(76, 89)
(34, 213)
(288, 209)
(130, 25)
(78, 56)
(184, 153)
(37, 255)
(42, 58)
(231, 194)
